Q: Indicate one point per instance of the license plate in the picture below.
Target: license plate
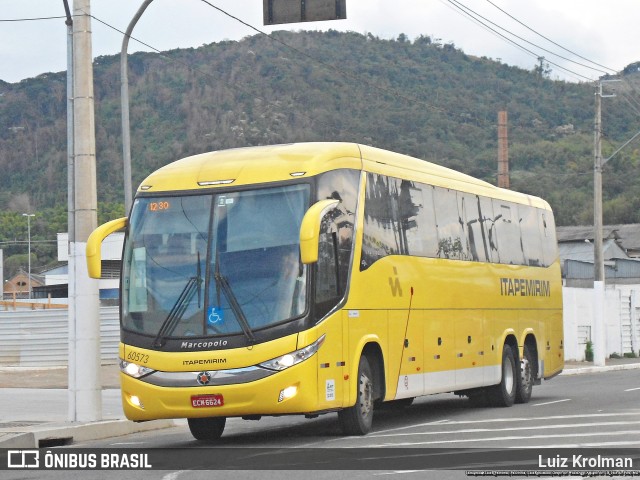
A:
(205, 401)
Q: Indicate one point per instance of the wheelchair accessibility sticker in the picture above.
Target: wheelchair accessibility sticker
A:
(215, 317)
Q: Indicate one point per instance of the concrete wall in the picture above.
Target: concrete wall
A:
(621, 320)
(39, 338)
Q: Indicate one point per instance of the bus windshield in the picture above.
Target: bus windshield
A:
(217, 264)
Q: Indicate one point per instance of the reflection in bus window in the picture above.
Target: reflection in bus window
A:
(450, 233)
(508, 233)
(531, 239)
(411, 218)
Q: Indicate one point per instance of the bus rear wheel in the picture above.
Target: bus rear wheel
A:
(525, 377)
(207, 429)
(504, 393)
(357, 420)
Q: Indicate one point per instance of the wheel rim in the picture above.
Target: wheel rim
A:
(525, 368)
(507, 368)
(366, 396)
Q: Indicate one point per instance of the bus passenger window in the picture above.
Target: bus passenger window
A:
(508, 233)
(472, 217)
(451, 241)
(531, 238)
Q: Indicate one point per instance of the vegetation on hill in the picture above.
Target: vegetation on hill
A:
(419, 97)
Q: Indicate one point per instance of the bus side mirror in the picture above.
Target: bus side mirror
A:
(94, 244)
(310, 230)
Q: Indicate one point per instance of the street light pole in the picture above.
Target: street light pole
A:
(29, 215)
(124, 104)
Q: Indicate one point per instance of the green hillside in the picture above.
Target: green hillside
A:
(418, 97)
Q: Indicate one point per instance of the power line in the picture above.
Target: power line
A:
(31, 19)
(548, 39)
(465, 11)
(527, 41)
(203, 72)
(327, 65)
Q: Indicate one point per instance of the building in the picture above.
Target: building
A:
(56, 280)
(620, 248)
(18, 285)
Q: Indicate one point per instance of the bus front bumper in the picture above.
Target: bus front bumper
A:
(293, 390)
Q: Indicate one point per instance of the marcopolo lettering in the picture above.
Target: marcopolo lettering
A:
(210, 344)
(522, 287)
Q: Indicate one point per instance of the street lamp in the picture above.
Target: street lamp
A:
(29, 215)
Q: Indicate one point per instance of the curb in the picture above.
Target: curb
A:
(610, 368)
(66, 433)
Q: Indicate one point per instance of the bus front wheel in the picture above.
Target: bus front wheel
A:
(207, 429)
(504, 393)
(357, 420)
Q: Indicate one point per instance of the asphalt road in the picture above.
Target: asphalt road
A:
(585, 411)
(595, 410)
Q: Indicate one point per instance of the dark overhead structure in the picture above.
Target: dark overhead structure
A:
(293, 11)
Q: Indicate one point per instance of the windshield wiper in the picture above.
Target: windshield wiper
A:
(223, 284)
(182, 303)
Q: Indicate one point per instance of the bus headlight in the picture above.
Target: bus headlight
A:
(134, 370)
(293, 358)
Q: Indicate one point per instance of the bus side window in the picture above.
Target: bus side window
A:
(548, 235)
(471, 215)
(530, 234)
(452, 243)
(381, 231)
(328, 291)
(508, 232)
(336, 238)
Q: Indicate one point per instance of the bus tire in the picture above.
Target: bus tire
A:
(207, 429)
(525, 377)
(357, 420)
(504, 393)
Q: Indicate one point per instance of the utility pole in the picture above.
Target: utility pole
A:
(598, 337)
(599, 329)
(85, 395)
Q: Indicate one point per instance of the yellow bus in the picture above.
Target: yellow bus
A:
(329, 277)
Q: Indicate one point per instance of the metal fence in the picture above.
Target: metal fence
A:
(40, 338)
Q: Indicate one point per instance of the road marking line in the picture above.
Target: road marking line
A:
(173, 475)
(584, 445)
(437, 422)
(501, 439)
(632, 389)
(516, 428)
(550, 403)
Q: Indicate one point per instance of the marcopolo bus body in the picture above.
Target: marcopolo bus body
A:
(329, 277)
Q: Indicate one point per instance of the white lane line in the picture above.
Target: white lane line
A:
(398, 472)
(550, 403)
(633, 443)
(518, 420)
(501, 439)
(173, 475)
(632, 389)
(510, 429)
(437, 422)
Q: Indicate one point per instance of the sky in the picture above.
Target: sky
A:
(582, 31)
